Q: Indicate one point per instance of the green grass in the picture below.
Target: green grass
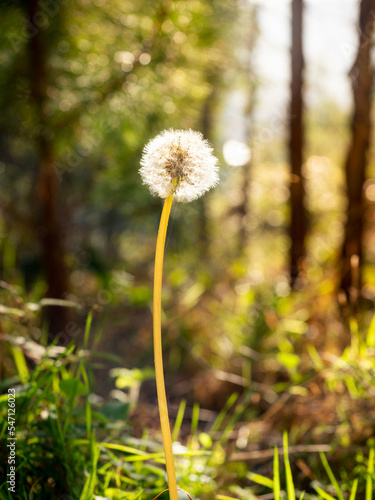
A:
(73, 445)
(70, 446)
(332, 483)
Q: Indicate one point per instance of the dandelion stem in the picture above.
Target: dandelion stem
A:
(159, 373)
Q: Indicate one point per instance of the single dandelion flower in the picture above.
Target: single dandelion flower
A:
(176, 164)
(179, 161)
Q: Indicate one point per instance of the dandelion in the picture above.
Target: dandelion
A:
(179, 161)
(176, 164)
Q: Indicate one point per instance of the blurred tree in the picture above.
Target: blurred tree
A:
(244, 81)
(207, 118)
(251, 39)
(297, 228)
(362, 77)
(49, 227)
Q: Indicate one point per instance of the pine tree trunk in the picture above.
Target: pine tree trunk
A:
(49, 227)
(297, 228)
(361, 75)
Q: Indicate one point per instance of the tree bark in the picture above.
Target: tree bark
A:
(297, 229)
(49, 227)
(362, 76)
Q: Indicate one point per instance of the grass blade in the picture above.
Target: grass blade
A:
(370, 473)
(179, 419)
(224, 412)
(354, 489)
(291, 495)
(88, 489)
(259, 479)
(87, 330)
(195, 420)
(370, 340)
(276, 475)
(331, 476)
(323, 494)
(315, 357)
(21, 364)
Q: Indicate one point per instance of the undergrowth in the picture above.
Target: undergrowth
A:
(75, 445)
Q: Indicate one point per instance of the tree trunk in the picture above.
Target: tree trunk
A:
(297, 228)
(206, 128)
(49, 227)
(361, 76)
(252, 87)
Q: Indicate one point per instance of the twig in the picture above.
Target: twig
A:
(264, 454)
(267, 392)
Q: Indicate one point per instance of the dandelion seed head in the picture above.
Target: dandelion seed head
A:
(179, 161)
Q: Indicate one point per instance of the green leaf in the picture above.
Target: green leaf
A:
(205, 440)
(140, 295)
(72, 387)
(289, 360)
(294, 326)
(115, 410)
(117, 494)
(8, 382)
(129, 378)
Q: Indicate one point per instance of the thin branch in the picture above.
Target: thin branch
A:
(265, 454)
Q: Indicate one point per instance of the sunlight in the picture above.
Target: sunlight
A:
(236, 153)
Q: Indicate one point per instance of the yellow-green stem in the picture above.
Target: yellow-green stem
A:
(159, 373)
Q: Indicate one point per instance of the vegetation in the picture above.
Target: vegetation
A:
(270, 389)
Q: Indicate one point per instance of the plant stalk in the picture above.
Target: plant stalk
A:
(159, 373)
